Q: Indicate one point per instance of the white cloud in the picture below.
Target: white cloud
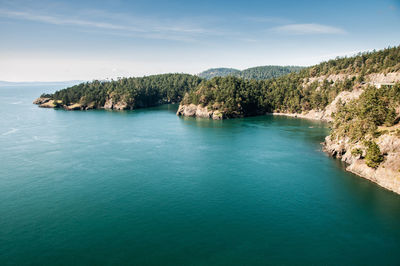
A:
(62, 21)
(136, 27)
(312, 28)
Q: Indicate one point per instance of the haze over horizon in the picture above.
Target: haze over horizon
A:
(75, 40)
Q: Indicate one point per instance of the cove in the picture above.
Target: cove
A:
(146, 187)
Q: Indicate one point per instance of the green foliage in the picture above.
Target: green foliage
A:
(356, 152)
(387, 60)
(45, 95)
(246, 95)
(258, 73)
(250, 97)
(373, 156)
(136, 92)
(361, 117)
(218, 72)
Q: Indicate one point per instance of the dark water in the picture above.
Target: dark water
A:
(147, 188)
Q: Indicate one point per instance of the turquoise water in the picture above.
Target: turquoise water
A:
(146, 187)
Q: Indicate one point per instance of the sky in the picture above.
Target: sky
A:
(103, 39)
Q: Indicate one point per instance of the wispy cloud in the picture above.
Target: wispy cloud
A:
(62, 21)
(305, 29)
(138, 27)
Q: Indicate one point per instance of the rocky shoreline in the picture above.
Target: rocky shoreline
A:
(109, 104)
(193, 110)
(386, 175)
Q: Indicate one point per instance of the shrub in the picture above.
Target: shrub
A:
(356, 152)
(373, 156)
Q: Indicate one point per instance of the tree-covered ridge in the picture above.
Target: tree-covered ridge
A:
(386, 60)
(258, 73)
(218, 72)
(134, 92)
(267, 72)
(295, 92)
(236, 96)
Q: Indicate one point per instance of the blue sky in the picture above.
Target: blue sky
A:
(70, 40)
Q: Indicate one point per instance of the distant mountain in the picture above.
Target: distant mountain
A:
(218, 72)
(258, 73)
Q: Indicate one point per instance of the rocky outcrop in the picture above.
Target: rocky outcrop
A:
(110, 104)
(75, 106)
(376, 79)
(326, 114)
(41, 100)
(193, 110)
(331, 78)
(49, 104)
(387, 174)
(383, 78)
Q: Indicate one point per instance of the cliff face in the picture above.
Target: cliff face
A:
(326, 114)
(387, 174)
(192, 110)
(111, 104)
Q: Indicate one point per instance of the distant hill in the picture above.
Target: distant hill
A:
(218, 72)
(258, 73)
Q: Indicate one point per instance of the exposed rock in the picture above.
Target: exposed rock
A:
(217, 115)
(331, 78)
(121, 105)
(108, 104)
(313, 115)
(344, 97)
(41, 100)
(193, 110)
(326, 114)
(75, 106)
(111, 105)
(387, 174)
(49, 104)
(376, 79)
(382, 78)
(90, 106)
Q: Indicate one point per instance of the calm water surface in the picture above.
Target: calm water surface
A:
(146, 187)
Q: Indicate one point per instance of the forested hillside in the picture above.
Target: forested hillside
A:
(130, 93)
(360, 95)
(258, 73)
(295, 92)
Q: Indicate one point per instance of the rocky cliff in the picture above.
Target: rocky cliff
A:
(192, 110)
(387, 174)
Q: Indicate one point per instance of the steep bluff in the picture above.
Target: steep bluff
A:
(387, 174)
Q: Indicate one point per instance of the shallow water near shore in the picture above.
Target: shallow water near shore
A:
(146, 187)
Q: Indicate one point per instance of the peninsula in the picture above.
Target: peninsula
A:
(359, 96)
